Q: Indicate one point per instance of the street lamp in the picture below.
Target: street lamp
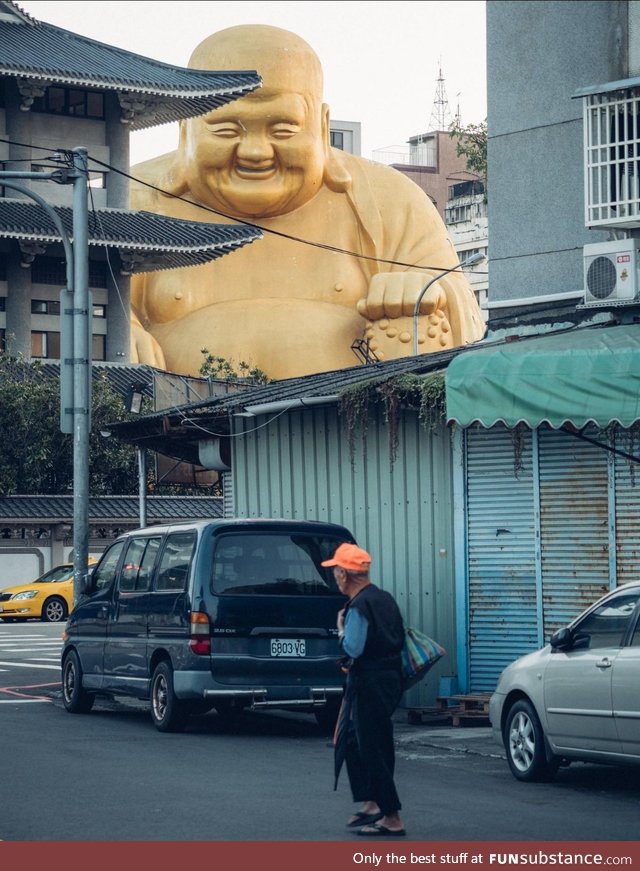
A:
(75, 347)
(470, 261)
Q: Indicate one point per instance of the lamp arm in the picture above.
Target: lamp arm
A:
(435, 278)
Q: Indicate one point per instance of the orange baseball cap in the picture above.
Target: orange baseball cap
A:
(350, 557)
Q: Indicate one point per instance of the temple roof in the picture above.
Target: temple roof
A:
(155, 92)
(145, 241)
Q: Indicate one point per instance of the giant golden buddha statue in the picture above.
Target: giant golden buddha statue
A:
(348, 244)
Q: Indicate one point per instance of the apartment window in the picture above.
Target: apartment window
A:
(52, 270)
(3, 304)
(99, 311)
(97, 180)
(98, 348)
(45, 345)
(612, 158)
(337, 139)
(70, 101)
(45, 307)
(3, 345)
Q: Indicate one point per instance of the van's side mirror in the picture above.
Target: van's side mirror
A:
(562, 639)
(87, 583)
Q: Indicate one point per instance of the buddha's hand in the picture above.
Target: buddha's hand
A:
(394, 295)
(388, 309)
(144, 348)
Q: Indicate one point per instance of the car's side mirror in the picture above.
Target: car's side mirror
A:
(87, 583)
(562, 639)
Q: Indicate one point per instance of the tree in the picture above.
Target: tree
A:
(471, 142)
(36, 457)
(228, 370)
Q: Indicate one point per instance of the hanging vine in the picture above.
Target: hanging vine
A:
(353, 409)
(394, 395)
(517, 440)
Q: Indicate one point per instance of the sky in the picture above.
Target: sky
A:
(381, 61)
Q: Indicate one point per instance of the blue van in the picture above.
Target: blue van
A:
(225, 614)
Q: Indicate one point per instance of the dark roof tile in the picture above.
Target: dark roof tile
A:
(160, 509)
(36, 50)
(147, 242)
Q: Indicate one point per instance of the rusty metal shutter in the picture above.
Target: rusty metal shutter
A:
(502, 616)
(574, 525)
(627, 486)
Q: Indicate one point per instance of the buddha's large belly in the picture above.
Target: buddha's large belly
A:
(284, 338)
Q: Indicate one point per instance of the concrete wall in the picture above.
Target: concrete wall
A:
(538, 55)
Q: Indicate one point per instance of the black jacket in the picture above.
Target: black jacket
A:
(385, 635)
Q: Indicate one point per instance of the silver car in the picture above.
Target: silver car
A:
(579, 697)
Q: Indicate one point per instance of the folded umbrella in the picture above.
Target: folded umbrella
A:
(343, 732)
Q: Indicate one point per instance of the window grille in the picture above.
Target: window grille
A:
(612, 158)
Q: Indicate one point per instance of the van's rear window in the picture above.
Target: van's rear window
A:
(273, 564)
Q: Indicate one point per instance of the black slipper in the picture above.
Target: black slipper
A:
(379, 831)
(362, 819)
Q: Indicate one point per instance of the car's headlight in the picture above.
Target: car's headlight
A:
(29, 594)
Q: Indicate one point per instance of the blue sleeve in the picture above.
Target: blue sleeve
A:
(356, 627)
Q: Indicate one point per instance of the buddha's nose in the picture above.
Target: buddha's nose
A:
(255, 148)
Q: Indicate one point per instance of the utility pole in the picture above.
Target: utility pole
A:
(82, 321)
(75, 344)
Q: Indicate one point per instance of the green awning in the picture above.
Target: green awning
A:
(589, 374)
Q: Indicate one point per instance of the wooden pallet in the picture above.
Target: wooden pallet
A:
(427, 717)
(466, 710)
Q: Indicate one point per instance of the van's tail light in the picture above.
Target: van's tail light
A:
(200, 635)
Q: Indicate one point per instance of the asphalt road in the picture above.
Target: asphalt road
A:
(109, 775)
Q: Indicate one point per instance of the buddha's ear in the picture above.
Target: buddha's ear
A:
(336, 175)
(176, 179)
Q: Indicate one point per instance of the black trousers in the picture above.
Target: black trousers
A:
(370, 753)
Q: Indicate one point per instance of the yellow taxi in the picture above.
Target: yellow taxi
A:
(48, 598)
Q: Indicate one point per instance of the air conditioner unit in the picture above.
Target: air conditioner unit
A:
(611, 273)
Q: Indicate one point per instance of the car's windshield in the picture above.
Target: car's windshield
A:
(60, 573)
(274, 564)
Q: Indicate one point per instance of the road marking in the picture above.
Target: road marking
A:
(29, 649)
(18, 701)
(30, 665)
(45, 659)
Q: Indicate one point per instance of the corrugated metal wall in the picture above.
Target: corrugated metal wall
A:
(298, 465)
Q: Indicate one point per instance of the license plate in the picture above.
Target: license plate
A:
(288, 647)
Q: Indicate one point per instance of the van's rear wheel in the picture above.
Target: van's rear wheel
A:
(168, 713)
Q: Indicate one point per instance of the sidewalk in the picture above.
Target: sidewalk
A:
(459, 739)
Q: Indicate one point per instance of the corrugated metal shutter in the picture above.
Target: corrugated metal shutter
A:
(501, 548)
(627, 478)
(574, 525)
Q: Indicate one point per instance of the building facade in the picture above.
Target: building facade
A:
(548, 408)
(60, 91)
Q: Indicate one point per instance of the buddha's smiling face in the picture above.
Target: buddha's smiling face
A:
(260, 156)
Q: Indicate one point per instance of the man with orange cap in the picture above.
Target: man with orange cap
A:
(371, 633)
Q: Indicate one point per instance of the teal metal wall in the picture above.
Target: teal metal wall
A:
(298, 465)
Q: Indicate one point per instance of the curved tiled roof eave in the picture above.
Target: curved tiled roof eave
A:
(43, 52)
(178, 243)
